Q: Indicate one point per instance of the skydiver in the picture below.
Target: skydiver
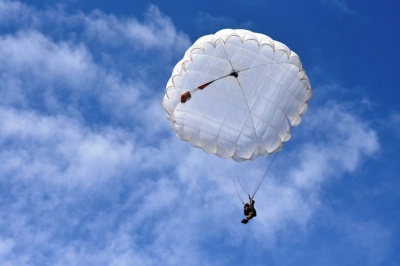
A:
(249, 211)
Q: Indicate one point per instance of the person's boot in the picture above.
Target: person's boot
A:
(244, 221)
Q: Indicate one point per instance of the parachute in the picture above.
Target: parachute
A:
(236, 94)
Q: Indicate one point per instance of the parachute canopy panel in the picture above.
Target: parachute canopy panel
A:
(236, 94)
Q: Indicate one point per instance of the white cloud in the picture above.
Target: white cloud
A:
(59, 149)
(32, 54)
(157, 31)
(56, 159)
(54, 70)
(12, 12)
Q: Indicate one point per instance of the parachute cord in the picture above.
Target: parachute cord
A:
(237, 192)
(265, 174)
(240, 183)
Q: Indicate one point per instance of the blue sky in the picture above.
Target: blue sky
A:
(91, 174)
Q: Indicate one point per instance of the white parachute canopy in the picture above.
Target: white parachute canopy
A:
(236, 94)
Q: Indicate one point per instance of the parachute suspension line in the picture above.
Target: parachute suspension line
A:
(241, 185)
(265, 174)
(237, 192)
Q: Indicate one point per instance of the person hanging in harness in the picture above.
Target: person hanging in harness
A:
(249, 211)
